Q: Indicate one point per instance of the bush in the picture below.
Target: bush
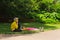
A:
(48, 17)
(49, 20)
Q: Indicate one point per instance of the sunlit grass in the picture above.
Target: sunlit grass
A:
(56, 25)
(5, 27)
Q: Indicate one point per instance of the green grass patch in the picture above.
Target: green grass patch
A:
(5, 27)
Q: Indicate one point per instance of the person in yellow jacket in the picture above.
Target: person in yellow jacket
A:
(14, 25)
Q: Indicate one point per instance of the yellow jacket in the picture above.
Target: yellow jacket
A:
(14, 26)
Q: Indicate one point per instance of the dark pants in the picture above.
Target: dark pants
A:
(17, 30)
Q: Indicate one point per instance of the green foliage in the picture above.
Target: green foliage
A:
(35, 9)
(48, 17)
(46, 1)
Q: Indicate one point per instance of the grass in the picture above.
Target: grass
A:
(46, 26)
(5, 27)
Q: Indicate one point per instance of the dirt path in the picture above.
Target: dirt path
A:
(49, 35)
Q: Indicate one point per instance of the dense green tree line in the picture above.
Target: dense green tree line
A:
(41, 10)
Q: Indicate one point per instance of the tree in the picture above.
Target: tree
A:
(28, 8)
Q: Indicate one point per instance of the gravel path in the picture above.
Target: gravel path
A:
(48, 35)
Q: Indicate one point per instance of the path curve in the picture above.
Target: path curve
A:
(48, 35)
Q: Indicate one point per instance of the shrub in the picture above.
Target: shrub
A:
(48, 17)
